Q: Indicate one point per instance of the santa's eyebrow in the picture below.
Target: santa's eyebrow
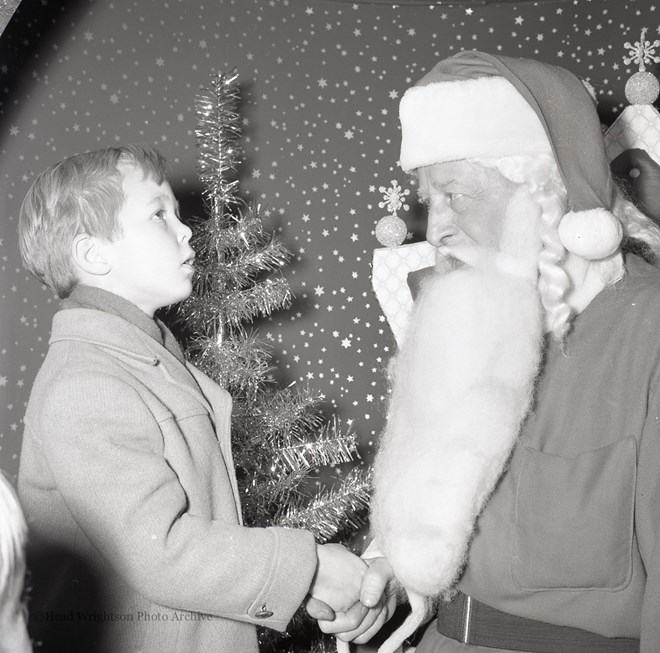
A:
(451, 186)
(441, 184)
(464, 185)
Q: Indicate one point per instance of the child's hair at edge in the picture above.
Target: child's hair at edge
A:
(80, 195)
(13, 537)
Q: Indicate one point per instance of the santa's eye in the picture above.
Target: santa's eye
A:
(452, 197)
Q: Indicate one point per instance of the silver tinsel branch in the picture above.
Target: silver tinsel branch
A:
(239, 364)
(270, 257)
(258, 251)
(260, 300)
(239, 306)
(298, 442)
(218, 137)
(332, 509)
(330, 447)
(289, 412)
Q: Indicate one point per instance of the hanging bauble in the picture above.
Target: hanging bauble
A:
(391, 231)
(642, 88)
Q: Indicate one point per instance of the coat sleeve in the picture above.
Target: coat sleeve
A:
(647, 519)
(105, 451)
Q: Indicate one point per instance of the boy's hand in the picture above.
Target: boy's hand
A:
(338, 578)
(318, 610)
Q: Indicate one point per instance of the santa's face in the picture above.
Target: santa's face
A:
(466, 204)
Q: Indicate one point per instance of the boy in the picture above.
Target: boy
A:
(126, 472)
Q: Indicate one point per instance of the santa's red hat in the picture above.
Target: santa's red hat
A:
(477, 105)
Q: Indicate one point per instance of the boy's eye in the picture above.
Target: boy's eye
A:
(160, 214)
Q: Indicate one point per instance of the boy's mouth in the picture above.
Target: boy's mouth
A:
(190, 261)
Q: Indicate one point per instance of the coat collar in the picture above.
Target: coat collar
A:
(123, 339)
(83, 296)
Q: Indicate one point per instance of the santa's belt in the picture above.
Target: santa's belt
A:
(470, 622)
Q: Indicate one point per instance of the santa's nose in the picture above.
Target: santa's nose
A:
(440, 222)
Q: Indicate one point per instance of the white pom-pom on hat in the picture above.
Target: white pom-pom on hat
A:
(592, 235)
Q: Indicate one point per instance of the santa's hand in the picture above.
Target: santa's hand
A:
(371, 623)
(377, 582)
(377, 605)
(351, 620)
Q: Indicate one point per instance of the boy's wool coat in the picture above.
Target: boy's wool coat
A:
(128, 484)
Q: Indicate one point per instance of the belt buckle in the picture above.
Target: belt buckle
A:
(467, 620)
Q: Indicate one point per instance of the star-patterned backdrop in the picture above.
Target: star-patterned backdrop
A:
(321, 81)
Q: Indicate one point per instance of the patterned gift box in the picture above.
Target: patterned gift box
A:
(390, 269)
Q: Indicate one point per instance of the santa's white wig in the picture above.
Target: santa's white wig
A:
(541, 176)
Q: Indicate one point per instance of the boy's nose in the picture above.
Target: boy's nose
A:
(440, 222)
(185, 232)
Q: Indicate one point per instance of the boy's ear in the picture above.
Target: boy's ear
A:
(88, 255)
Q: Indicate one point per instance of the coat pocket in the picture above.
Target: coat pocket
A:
(574, 519)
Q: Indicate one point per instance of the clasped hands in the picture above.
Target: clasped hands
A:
(350, 597)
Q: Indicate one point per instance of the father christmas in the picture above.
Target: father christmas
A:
(518, 477)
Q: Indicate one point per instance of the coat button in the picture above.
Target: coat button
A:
(263, 613)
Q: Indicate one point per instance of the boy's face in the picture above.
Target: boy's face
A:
(151, 262)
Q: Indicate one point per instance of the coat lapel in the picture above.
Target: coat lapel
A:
(221, 402)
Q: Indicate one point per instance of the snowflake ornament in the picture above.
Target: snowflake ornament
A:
(642, 52)
(393, 198)
(391, 230)
(643, 86)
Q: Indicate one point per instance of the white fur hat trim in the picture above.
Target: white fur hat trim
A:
(463, 119)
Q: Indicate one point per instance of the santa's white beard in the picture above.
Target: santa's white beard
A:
(462, 385)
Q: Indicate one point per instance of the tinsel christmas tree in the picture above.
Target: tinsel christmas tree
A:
(280, 436)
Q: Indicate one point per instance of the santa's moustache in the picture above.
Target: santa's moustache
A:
(462, 385)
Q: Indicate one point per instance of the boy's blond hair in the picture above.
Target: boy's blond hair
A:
(81, 194)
